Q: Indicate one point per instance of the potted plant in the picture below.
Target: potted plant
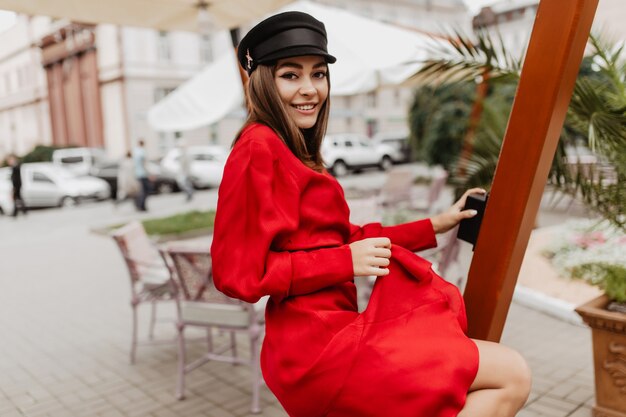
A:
(606, 315)
(608, 329)
(593, 251)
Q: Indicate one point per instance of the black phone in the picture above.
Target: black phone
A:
(469, 228)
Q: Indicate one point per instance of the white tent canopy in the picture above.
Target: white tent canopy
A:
(203, 100)
(370, 54)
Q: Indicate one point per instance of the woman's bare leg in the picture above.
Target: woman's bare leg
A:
(502, 383)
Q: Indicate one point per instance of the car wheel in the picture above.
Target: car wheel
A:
(68, 201)
(340, 168)
(385, 163)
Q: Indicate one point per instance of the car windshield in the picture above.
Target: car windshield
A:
(72, 160)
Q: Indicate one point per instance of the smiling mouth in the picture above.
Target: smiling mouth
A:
(305, 107)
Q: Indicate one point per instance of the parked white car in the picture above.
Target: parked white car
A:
(80, 161)
(6, 192)
(398, 141)
(206, 164)
(47, 185)
(350, 151)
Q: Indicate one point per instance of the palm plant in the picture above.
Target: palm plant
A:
(439, 119)
(596, 116)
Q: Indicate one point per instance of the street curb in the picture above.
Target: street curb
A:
(551, 306)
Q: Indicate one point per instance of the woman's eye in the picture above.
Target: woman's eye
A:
(288, 76)
(320, 74)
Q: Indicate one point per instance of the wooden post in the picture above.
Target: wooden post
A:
(554, 54)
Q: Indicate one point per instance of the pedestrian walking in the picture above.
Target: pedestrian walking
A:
(127, 184)
(141, 174)
(16, 180)
(183, 177)
(282, 230)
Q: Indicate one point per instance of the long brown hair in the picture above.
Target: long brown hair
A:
(266, 107)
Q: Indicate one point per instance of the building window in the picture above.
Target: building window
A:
(206, 49)
(166, 139)
(7, 82)
(20, 82)
(371, 99)
(397, 96)
(372, 127)
(163, 47)
(213, 135)
(161, 92)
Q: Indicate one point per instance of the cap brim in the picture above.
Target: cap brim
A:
(297, 51)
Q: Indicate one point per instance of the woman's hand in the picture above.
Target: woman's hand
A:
(371, 256)
(451, 217)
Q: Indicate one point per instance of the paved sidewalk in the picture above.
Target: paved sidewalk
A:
(65, 331)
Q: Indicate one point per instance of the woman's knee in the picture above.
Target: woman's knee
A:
(520, 378)
(504, 368)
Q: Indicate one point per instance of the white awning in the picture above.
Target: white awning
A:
(370, 55)
(201, 101)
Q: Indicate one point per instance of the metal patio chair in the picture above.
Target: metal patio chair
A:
(200, 304)
(397, 187)
(398, 191)
(149, 276)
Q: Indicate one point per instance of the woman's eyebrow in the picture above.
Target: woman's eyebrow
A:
(290, 64)
(298, 66)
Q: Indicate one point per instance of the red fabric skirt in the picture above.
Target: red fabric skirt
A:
(406, 355)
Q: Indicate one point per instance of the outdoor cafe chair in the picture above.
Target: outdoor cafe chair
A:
(149, 276)
(398, 190)
(200, 304)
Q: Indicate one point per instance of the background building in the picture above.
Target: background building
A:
(385, 110)
(513, 21)
(64, 83)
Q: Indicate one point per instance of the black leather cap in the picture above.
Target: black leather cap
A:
(282, 36)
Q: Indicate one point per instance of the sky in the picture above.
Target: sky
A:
(7, 18)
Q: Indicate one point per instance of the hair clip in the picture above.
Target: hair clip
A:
(249, 58)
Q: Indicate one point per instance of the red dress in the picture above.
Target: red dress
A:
(282, 230)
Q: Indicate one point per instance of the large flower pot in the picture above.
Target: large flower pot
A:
(608, 330)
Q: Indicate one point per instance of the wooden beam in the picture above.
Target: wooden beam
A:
(554, 54)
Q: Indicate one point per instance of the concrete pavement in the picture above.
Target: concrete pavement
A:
(65, 332)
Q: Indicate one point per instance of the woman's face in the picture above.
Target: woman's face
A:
(302, 84)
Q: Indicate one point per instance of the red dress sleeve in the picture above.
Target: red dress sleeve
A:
(414, 236)
(258, 202)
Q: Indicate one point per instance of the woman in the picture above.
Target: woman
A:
(282, 230)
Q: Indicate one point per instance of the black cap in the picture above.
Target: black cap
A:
(282, 36)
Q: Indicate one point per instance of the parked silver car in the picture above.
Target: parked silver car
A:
(47, 185)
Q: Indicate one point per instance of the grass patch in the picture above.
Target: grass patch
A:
(180, 223)
(172, 227)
